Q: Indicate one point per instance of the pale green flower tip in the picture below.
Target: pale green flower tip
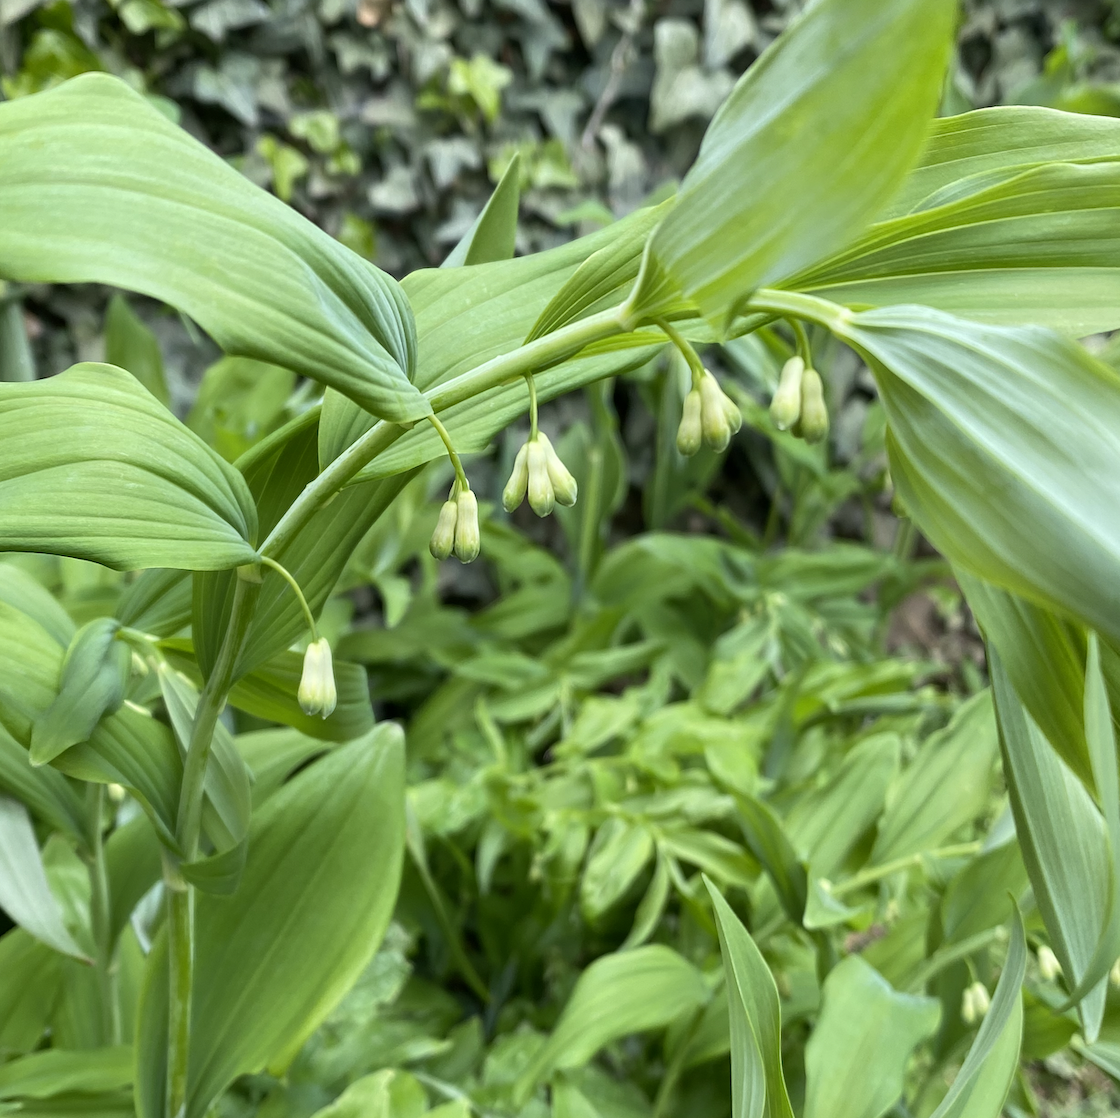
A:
(785, 407)
(542, 496)
(690, 433)
(518, 484)
(814, 412)
(317, 694)
(1048, 965)
(713, 416)
(468, 539)
(443, 538)
(564, 485)
(975, 1003)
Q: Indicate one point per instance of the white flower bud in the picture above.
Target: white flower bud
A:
(814, 412)
(785, 407)
(1048, 965)
(443, 538)
(317, 694)
(542, 497)
(468, 542)
(713, 417)
(518, 484)
(734, 415)
(975, 1003)
(1114, 974)
(563, 484)
(690, 433)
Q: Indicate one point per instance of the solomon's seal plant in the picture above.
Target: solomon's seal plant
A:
(960, 258)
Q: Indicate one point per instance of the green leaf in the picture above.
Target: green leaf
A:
(981, 1085)
(19, 590)
(1064, 843)
(45, 792)
(1002, 443)
(315, 898)
(857, 1055)
(130, 345)
(811, 144)
(58, 1072)
(1044, 657)
(945, 786)
(32, 977)
(604, 276)
(629, 992)
(100, 187)
(94, 676)
(970, 152)
(767, 841)
(157, 602)
(133, 866)
(493, 234)
(95, 468)
(388, 1093)
(758, 1086)
(24, 893)
(619, 853)
(976, 898)
(133, 749)
(1040, 248)
(825, 824)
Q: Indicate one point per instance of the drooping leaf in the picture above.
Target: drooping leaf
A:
(981, 1085)
(857, 1055)
(1001, 444)
(1064, 843)
(24, 892)
(315, 898)
(945, 786)
(99, 186)
(493, 234)
(94, 676)
(619, 994)
(813, 141)
(96, 468)
(758, 1087)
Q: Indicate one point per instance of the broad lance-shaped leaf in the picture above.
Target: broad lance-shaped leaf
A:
(272, 960)
(1040, 248)
(94, 467)
(813, 141)
(629, 992)
(1003, 445)
(857, 1055)
(98, 186)
(24, 893)
(981, 1085)
(94, 676)
(758, 1086)
(1064, 843)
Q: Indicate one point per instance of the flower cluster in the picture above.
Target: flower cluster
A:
(709, 416)
(457, 527)
(798, 404)
(538, 472)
